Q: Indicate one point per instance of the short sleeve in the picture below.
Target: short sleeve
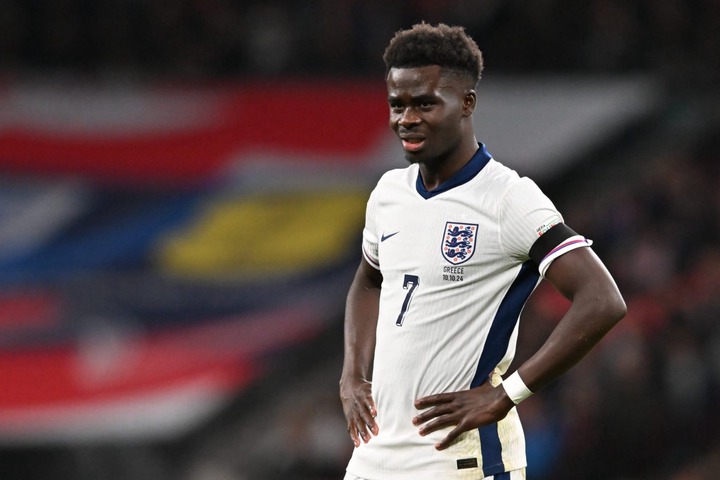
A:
(525, 214)
(370, 236)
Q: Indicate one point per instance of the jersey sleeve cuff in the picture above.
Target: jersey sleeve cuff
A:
(372, 261)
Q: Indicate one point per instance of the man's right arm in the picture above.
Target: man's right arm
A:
(361, 314)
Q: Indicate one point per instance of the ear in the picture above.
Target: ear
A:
(469, 102)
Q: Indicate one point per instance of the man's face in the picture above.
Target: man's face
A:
(426, 111)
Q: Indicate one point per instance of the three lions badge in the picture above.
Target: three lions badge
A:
(458, 243)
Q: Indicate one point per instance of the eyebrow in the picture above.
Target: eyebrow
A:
(418, 98)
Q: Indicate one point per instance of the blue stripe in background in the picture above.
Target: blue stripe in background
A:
(119, 232)
(497, 344)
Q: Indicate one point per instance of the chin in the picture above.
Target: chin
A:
(414, 158)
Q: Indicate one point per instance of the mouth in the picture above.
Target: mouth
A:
(412, 144)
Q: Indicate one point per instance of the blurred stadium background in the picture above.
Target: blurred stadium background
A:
(182, 185)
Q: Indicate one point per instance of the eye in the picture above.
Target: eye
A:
(396, 107)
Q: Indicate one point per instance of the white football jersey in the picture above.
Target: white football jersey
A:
(456, 274)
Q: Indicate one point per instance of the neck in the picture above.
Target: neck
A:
(440, 170)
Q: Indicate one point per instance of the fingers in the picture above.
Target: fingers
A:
(464, 410)
(428, 415)
(449, 438)
(434, 419)
(441, 415)
(444, 411)
(361, 422)
(441, 421)
(359, 408)
(432, 400)
(355, 436)
(368, 414)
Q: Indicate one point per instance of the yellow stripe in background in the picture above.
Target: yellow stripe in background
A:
(265, 234)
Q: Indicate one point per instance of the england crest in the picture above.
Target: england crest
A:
(458, 243)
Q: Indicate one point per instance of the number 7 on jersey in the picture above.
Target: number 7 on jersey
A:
(410, 283)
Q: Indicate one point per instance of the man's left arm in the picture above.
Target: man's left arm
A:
(596, 307)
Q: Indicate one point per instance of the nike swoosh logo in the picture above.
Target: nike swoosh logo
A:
(384, 237)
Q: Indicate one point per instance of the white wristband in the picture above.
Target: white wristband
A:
(516, 388)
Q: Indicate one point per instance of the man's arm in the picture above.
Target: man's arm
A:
(361, 314)
(597, 306)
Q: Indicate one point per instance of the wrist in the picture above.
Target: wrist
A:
(515, 388)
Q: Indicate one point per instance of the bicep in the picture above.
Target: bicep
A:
(367, 276)
(580, 272)
(364, 294)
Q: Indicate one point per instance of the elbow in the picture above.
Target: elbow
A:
(605, 311)
(606, 306)
(614, 308)
(620, 310)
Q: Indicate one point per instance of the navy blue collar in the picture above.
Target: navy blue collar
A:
(464, 175)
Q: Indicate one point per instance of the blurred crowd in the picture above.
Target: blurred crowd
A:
(643, 405)
(220, 38)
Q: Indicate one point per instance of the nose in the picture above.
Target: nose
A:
(408, 118)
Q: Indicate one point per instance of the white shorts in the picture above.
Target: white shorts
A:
(518, 474)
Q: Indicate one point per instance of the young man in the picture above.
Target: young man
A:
(453, 246)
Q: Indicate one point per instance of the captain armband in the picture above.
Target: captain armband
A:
(557, 241)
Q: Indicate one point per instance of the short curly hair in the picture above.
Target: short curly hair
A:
(424, 44)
